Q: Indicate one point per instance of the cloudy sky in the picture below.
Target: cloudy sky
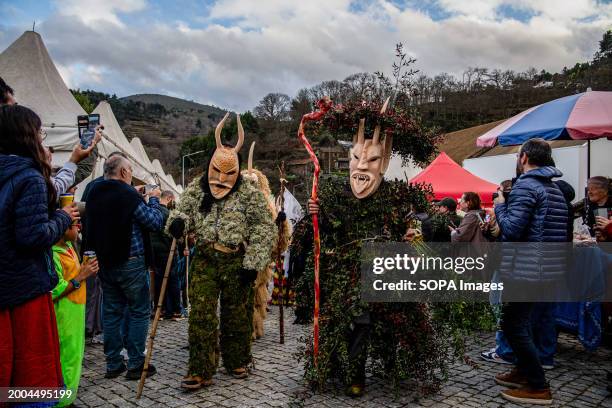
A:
(230, 53)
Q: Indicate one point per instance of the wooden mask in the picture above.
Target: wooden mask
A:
(369, 159)
(224, 168)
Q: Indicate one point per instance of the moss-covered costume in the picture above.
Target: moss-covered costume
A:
(70, 316)
(399, 338)
(242, 222)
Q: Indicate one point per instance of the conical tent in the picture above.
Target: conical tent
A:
(142, 154)
(27, 67)
(171, 180)
(114, 140)
(163, 179)
(448, 179)
(98, 171)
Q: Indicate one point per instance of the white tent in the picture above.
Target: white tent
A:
(142, 154)
(114, 140)
(164, 181)
(27, 68)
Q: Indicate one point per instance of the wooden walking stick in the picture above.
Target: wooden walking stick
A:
(323, 105)
(279, 269)
(162, 294)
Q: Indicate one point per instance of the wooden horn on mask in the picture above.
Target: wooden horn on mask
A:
(360, 136)
(376, 137)
(240, 135)
(218, 130)
(250, 161)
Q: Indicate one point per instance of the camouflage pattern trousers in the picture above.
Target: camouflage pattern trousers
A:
(215, 274)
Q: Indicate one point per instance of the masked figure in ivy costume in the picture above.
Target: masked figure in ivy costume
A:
(235, 234)
(400, 338)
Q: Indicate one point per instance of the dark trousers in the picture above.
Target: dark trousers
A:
(125, 286)
(516, 325)
(172, 300)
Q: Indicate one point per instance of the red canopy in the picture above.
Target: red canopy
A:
(448, 179)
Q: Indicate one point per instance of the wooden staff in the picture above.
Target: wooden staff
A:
(162, 294)
(279, 269)
(323, 106)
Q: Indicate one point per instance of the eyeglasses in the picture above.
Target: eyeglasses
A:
(43, 134)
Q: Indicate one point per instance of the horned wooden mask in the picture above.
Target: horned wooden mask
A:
(369, 159)
(224, 168)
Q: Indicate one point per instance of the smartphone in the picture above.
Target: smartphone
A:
(149, 187)
(601, 212)
(87, 128)
(480, 218)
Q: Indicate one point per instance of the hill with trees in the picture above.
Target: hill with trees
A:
(171, 127)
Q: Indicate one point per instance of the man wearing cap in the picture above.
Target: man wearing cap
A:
(446, 217)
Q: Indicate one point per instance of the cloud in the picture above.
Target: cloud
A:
(241, 50)
(95, 11)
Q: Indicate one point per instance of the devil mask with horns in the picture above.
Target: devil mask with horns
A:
(224, 167)
(369, 159)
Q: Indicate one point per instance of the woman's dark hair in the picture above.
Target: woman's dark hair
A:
(5, 91)
(208, 199)
(472, 199)
(20, 135)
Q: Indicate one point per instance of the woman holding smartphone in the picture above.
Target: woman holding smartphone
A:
(469, 230)
(29, 225)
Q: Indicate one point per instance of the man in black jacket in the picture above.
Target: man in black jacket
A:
(118, 225)
(161, 243)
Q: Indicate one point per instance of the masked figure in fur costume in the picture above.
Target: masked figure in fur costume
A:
(235, 234)
(262, 296)
(399, 338)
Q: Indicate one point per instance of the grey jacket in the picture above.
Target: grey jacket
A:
(64, 178)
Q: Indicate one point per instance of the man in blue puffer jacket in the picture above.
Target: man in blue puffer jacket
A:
(537, 212)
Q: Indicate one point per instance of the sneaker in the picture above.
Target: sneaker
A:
(115, 373)
(492, 357)
(527, 395)
(512, 379)
(548, 366)
(124, 354)
(135, 373)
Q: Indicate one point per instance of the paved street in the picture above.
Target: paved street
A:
(577, 380)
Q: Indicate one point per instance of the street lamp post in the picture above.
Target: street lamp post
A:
(183, 164)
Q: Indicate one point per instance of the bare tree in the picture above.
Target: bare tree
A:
(273, 106)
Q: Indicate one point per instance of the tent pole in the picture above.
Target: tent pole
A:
(588, 159)
(155, 175)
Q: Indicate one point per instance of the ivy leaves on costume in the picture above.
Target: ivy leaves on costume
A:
(404, 341)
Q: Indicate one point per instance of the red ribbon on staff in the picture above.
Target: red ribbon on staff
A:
(323, 105)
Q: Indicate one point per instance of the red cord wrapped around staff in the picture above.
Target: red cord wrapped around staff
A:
(323, 105)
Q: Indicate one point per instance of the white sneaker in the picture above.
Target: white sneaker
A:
(492, 357)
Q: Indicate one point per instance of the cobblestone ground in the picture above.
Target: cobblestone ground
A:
(577, 380)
